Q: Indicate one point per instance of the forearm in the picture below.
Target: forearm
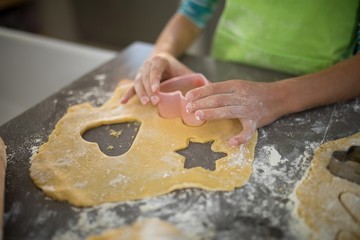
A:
(337, 83)
(177, 36)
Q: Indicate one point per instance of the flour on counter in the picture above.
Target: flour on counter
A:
(94, 95)
(203, 215)
(274, 156)
(91, 220)
(101, 78)
(30, 147)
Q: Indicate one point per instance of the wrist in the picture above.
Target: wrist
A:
(280, 95)
(166, 49)
(293, 97)
(177, 67)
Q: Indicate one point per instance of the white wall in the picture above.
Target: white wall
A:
(33, 67)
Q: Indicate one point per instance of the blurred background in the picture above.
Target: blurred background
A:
(107, 24)
(110, 24)
(47, 44)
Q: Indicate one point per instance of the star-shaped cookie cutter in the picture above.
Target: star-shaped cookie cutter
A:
(172, 97)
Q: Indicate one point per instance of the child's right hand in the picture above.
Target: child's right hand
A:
(156, 69)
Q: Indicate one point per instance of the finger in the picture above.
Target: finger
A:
(214, 101)
(139, 89)
(210, 89)
(129, 94)
(156, 72)
(226, 112)
(249, 128)
(146, 78)
(152, 74)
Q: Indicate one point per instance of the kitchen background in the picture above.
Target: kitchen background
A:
(46, 45)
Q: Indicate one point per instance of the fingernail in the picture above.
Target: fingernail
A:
(144, 100)
(155, 87)
(123, 100)
(189, 107)
(199, 115)
(155, 99)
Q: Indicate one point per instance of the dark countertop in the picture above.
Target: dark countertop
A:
(263, 208)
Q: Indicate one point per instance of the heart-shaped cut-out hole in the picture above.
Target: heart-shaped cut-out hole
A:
(113, 139)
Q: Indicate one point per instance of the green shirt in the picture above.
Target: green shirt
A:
(292, 36)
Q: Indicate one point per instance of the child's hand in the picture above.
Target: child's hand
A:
(254, 104)
(158, 68)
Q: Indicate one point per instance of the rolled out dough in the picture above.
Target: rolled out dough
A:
(330, 205)
(69, 168)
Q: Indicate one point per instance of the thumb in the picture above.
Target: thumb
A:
(249, 128)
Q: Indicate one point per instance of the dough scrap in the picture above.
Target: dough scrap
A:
(69, 168)
(330, 205)
(147, 229)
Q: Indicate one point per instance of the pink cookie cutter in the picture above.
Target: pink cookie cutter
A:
(172, 97)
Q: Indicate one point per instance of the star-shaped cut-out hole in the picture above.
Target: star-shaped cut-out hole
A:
(200, 155)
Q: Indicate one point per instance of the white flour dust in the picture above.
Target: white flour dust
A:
(279, 176)
(196, 213)
(29, 146)
(274, 156)
(91, 220)
(101, 78)
(94, 95)
(189, 210)
(120, 179)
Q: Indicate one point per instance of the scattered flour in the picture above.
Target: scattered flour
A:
(95, 95)
(100, 78)
(81, 184)
(239, 158)
(200, 214)
(49, 188)
(118, 180)
(356, 106)
(274, 156)
(91, 220)
(203, 215)
(34, 150)
(64, 162)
